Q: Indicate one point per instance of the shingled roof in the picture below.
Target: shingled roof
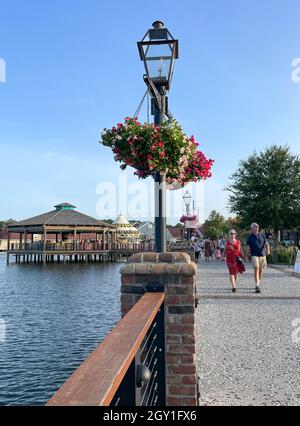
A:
(64, 215)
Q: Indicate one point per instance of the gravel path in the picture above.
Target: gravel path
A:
(246, 353)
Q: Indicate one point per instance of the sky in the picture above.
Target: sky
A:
(72, 68)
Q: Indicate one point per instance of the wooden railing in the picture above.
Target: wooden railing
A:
(128, 367)
(82, 247)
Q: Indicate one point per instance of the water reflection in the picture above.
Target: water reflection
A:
(55, 316)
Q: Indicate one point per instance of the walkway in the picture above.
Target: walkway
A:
(245, 349)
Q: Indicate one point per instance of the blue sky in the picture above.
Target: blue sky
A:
(72, 68)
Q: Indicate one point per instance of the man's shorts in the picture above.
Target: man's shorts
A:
(259, 262)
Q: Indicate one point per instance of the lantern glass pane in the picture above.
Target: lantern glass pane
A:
(159, 60)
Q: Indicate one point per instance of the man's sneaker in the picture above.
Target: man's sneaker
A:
(257, 290)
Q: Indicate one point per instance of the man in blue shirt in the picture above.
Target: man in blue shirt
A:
(256, 250)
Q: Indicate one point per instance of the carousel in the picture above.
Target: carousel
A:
(125, 232)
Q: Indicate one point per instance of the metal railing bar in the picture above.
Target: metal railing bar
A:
(154, 394)
(152, 356)
(149, 393)
(148, 337)
(153, 376)
(150, 347)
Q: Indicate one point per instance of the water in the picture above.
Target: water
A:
(55, 315)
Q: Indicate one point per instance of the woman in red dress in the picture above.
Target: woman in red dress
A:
(233, 251)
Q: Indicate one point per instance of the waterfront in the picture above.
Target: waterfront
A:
(55, 316)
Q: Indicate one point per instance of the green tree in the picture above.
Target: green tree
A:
(215, 226)
(235, 223)
(266, 189)
(6, 222)
(110, 221)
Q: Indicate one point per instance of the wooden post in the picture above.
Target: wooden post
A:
(104, 239)
(25, 239)
(75, 238)
(44, 246)
(8, 248)
(20, 240)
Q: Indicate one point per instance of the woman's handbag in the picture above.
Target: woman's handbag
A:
(240, 264)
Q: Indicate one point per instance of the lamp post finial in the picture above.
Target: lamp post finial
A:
(158, 25)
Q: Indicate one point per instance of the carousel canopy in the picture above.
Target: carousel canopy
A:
(123, 226)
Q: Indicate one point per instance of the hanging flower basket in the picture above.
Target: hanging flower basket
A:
(185, 219)
(175, 186)
(165, 148)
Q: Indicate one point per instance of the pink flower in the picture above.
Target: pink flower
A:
(149, 157)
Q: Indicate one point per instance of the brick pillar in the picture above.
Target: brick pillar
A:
(176, 273)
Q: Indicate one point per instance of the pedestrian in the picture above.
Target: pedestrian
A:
(207, 250)
(218, 253)
(257, 248)
(197, 249)
(222, 243)
(234, 254)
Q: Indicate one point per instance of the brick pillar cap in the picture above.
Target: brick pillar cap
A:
(173, 257)
(159, 264)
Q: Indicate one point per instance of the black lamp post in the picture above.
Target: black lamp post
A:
(158, 50)
(187, 198)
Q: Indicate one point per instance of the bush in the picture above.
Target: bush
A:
(282, 256)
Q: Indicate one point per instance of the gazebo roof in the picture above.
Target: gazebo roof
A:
(121, 220)
(123, 226)
(64, 215)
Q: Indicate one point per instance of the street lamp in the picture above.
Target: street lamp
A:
(158, 50)
(187, 198)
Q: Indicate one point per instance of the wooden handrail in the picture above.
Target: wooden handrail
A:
(96, 381)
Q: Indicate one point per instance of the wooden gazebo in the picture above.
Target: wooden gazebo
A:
(61, 232)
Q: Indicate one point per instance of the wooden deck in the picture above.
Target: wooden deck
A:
(69, 252)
